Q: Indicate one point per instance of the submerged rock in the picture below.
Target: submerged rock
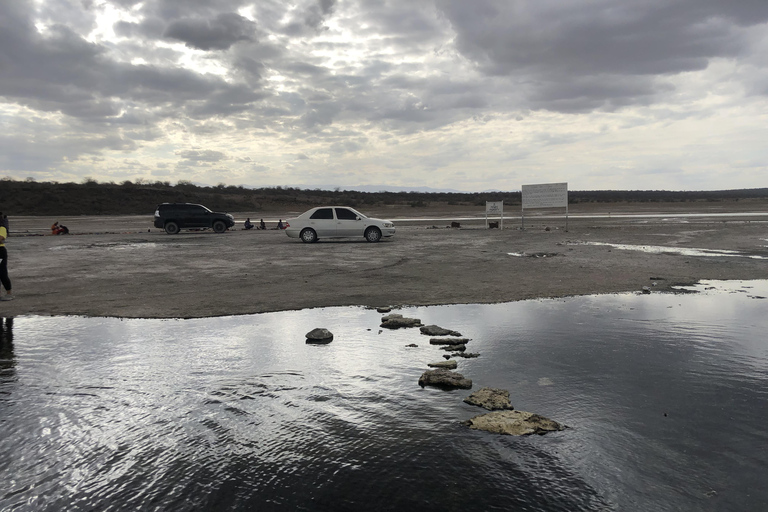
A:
(465, 355)
(514, 423)
(448, 341)
(444, 379)
(435, 330)
(448, 365)
(319, 335)
(412, 345)
(396, 321)
(492, 399)
(457, 348)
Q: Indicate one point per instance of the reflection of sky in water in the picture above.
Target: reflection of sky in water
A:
(664, 394)
(659, 249)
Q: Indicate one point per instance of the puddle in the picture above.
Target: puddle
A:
(534, 254)
(682, 251)
(234, 413)
(114, 246)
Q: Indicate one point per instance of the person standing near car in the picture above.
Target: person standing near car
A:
(4, 279)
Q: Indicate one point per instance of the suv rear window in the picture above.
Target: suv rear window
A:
(323, 213)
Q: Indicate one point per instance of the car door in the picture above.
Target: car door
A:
(348, 223)
(196, 216)
(323, 222)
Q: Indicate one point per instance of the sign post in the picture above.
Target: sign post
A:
(545, 195)
(494, 208)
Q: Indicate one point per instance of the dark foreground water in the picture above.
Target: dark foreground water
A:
(665, 396)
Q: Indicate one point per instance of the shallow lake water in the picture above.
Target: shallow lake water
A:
(665, 396)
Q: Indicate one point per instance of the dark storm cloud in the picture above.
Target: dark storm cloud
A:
(218, 33)
(553, 43)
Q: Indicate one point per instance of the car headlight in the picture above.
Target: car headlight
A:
(230, 217)
(389, 225)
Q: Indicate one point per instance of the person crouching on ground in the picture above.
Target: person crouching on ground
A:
(248, 224)
(59, 229)
(4, 265)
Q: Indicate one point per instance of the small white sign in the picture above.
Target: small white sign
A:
(545, 195)
(494, 208)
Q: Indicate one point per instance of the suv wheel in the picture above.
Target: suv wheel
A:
(219, 226)
(171, 228)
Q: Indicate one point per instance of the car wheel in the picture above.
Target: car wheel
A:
(171, 228)
(308, 235)
(219, 226)
(373, 234)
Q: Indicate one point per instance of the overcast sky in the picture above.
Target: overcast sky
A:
(449, 94)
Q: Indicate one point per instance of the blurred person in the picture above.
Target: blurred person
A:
(4, 279)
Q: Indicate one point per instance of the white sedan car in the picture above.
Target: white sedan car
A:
(337, 222)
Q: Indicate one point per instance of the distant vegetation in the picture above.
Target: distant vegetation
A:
(94, 198)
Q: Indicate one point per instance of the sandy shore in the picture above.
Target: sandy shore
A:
(122, 267)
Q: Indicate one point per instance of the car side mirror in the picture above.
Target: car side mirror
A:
(357, 218)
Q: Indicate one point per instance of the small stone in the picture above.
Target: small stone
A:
(412, 345)
(466, 355)
(492, 399)
(319, 335)
(448, 365)
(444, 379)
(396, 321)
(384, 309)
(434, 330)
(514, 423)
(448, 341)
(456, 348)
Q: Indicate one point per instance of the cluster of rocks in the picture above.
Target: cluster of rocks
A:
(502, 419)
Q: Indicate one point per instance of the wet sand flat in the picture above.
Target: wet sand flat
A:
(120, 266)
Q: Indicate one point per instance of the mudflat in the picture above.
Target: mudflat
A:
(121, 266)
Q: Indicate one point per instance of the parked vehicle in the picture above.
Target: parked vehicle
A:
(173, 217)
(337, 222)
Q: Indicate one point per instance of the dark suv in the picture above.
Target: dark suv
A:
(175, 216)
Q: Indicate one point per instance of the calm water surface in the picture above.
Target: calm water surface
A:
(665, 396)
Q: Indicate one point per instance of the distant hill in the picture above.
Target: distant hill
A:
(127, 198)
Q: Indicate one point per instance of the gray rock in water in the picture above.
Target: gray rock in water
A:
(465, 355)
(384, 309)
(319, 335)
(514, 423)
(492, 399)
(448, 341)
(412, 345)
(457, 348)
(434, 330)
(444, 379)
(448, 365)
(396, 321)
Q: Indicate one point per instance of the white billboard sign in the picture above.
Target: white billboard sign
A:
(546, 195)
